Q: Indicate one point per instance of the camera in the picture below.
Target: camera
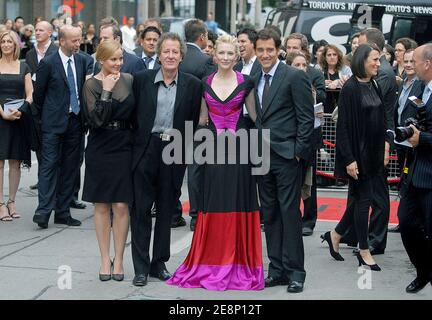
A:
(419, 121)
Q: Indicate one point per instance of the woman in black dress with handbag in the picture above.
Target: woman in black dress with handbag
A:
(109, 105)
(15, 83)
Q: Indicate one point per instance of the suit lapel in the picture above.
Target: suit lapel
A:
(256, 79)
(256, 67)
(79, 71)
(275, 84)
(180, 91)
(61, 68)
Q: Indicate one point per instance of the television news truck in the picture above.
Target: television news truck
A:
(336, 21)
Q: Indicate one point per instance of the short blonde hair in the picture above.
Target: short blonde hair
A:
(14, 38)
(106, 49)
(229, 40)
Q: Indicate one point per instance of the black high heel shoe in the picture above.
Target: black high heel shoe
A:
(326, 237)
(373, 267)
(106, 277)
(117, 276)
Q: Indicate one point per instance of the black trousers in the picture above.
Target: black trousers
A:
(58, 170)
(310, 209)
(153, 183)
(415, 221)
(78, 178)
(379, 218)
(358, 215)
(280, 203)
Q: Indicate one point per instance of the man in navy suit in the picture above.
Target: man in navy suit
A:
(59, 81)
(131, 63)
(147, 50)
(415, 208)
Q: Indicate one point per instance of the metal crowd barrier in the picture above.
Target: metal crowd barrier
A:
(326, 159)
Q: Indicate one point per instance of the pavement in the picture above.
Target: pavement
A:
(63, 263)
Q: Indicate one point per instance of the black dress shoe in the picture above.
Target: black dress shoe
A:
(40, 221)
(395, 229)
(181, 222)
(140, 280)
(306, 231)
(77, 204)
(295, 287)
(163, 275)
(273, 282)
(416, 285)
(69, 221)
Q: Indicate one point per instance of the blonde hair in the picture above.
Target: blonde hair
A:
(106, 49)
(229, 40)
(14, 38)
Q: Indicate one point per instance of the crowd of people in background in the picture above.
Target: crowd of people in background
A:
(129, 85)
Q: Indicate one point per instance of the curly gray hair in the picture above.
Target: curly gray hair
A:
(171, 36)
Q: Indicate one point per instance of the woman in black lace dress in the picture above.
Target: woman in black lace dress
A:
(109, 105)
(15, 83)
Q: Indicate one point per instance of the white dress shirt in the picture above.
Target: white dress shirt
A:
(128, 36)
(427, 92)
(152, 62)
(247, 67)
(65, 60)
(262, 80)
(41, 55)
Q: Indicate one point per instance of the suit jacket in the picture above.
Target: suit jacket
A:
(197, 63)
(421, 170)
(256, 67)
(139, 51)
(32, 60)
(317, 80)
(131, 64)
(51, 91)
(88, 61)
(409, 109)
(387, 82)
(186, 108)
(288, 112)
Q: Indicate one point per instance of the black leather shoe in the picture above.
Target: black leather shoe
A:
(140, 280)
(395, 229)
(34, 187)
(306, 231)
(40, 221)
(416, 285)
(69, 221)
(163, 275)
(295, 287)
(273, 282)
(77, 204)
(181, 222)
(192, 224)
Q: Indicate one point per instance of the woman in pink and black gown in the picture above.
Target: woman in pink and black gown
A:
(226, 250)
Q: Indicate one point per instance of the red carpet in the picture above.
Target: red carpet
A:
(332, 209)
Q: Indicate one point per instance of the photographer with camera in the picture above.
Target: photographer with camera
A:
(415, 208)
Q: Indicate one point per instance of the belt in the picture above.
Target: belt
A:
(117, 125)
(163, 136)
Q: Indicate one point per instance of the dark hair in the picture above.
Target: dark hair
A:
(19, 17)
(318, 44)
(360, 56)
(269, 33)
(150, 29)
(275, 29)
(391, 51)
(212, 37)
(408, 43)
(251, 33)
(304, 44)
(374, 35)
(355, 35)
(194, 29)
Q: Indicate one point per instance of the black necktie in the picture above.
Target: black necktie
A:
(147, 61)
(266, 89)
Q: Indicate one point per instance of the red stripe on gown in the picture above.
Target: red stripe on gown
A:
(226, 238)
